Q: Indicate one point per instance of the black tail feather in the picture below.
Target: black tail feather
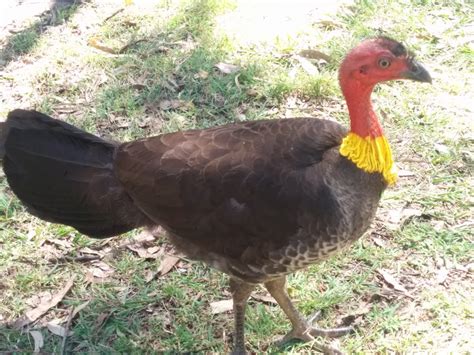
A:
(65, 175)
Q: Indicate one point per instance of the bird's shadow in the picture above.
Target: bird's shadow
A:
(19, 43)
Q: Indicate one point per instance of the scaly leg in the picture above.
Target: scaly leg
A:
(302, 328)
(240, 294)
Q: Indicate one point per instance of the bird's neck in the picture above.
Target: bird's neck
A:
(365, 145)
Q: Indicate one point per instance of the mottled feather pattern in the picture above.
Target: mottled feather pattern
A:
(254, 199)
(247, 197)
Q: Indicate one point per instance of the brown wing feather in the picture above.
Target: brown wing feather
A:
(230, 188)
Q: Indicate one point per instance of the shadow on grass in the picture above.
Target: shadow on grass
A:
(24, 41)
(171, 81)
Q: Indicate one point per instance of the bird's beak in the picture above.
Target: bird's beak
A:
(416, 72)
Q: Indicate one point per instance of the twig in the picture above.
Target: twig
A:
(113, 14)
(128, 45)
(79, 259)
(66, 333)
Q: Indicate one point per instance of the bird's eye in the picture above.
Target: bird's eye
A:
(384, 63)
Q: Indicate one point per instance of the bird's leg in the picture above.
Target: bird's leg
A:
(240, 294)
(302, 328)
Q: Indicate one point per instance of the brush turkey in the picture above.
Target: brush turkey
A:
(256, 200)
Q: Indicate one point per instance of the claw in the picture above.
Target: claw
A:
(309, 333)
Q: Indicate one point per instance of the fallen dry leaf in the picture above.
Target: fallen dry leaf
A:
(355, 317)
(57, 329)
(89, 278)
(79, 308)
(153, 250)
(173, 104)
(441, 275)
(145, 236)
(441, 148)
(264, 298)
(315, 54)
(398, 217)
(201, 74)
(41, 297)
(167, 264)
(379, 242)
(145, 252)
(33, 314)
(438, 225)
(392, 281)
(87, 250)
(226, 68)
(221, 306)
(150, 275)
(37, 339)
(330, 23)
(252, 92)
(101, 319)
(470, 267)
(405, 173)
(100, 273)
(101, 270)
(307, 66)
(31, 233)
(410, 212)
(64, 243)
(95, 42)
(49, 251)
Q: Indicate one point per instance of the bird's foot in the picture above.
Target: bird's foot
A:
(307, 332)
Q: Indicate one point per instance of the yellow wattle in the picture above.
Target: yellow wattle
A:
(371, 154)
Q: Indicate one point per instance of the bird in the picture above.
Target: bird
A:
(257, 200)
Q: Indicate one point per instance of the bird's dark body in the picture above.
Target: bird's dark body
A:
(255, 200)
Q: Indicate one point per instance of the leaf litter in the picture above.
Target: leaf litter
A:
(56, 329)
(146, 252)
(167, 263)
(101, 270)
(44, 306)
(222, 306)
(393, 282)
(226, 68)
(37, 339)
(307, 66)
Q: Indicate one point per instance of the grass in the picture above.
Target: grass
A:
(164, 79)
(23, 42)
(26, 40)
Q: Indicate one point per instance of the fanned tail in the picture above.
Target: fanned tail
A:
(65, 175)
